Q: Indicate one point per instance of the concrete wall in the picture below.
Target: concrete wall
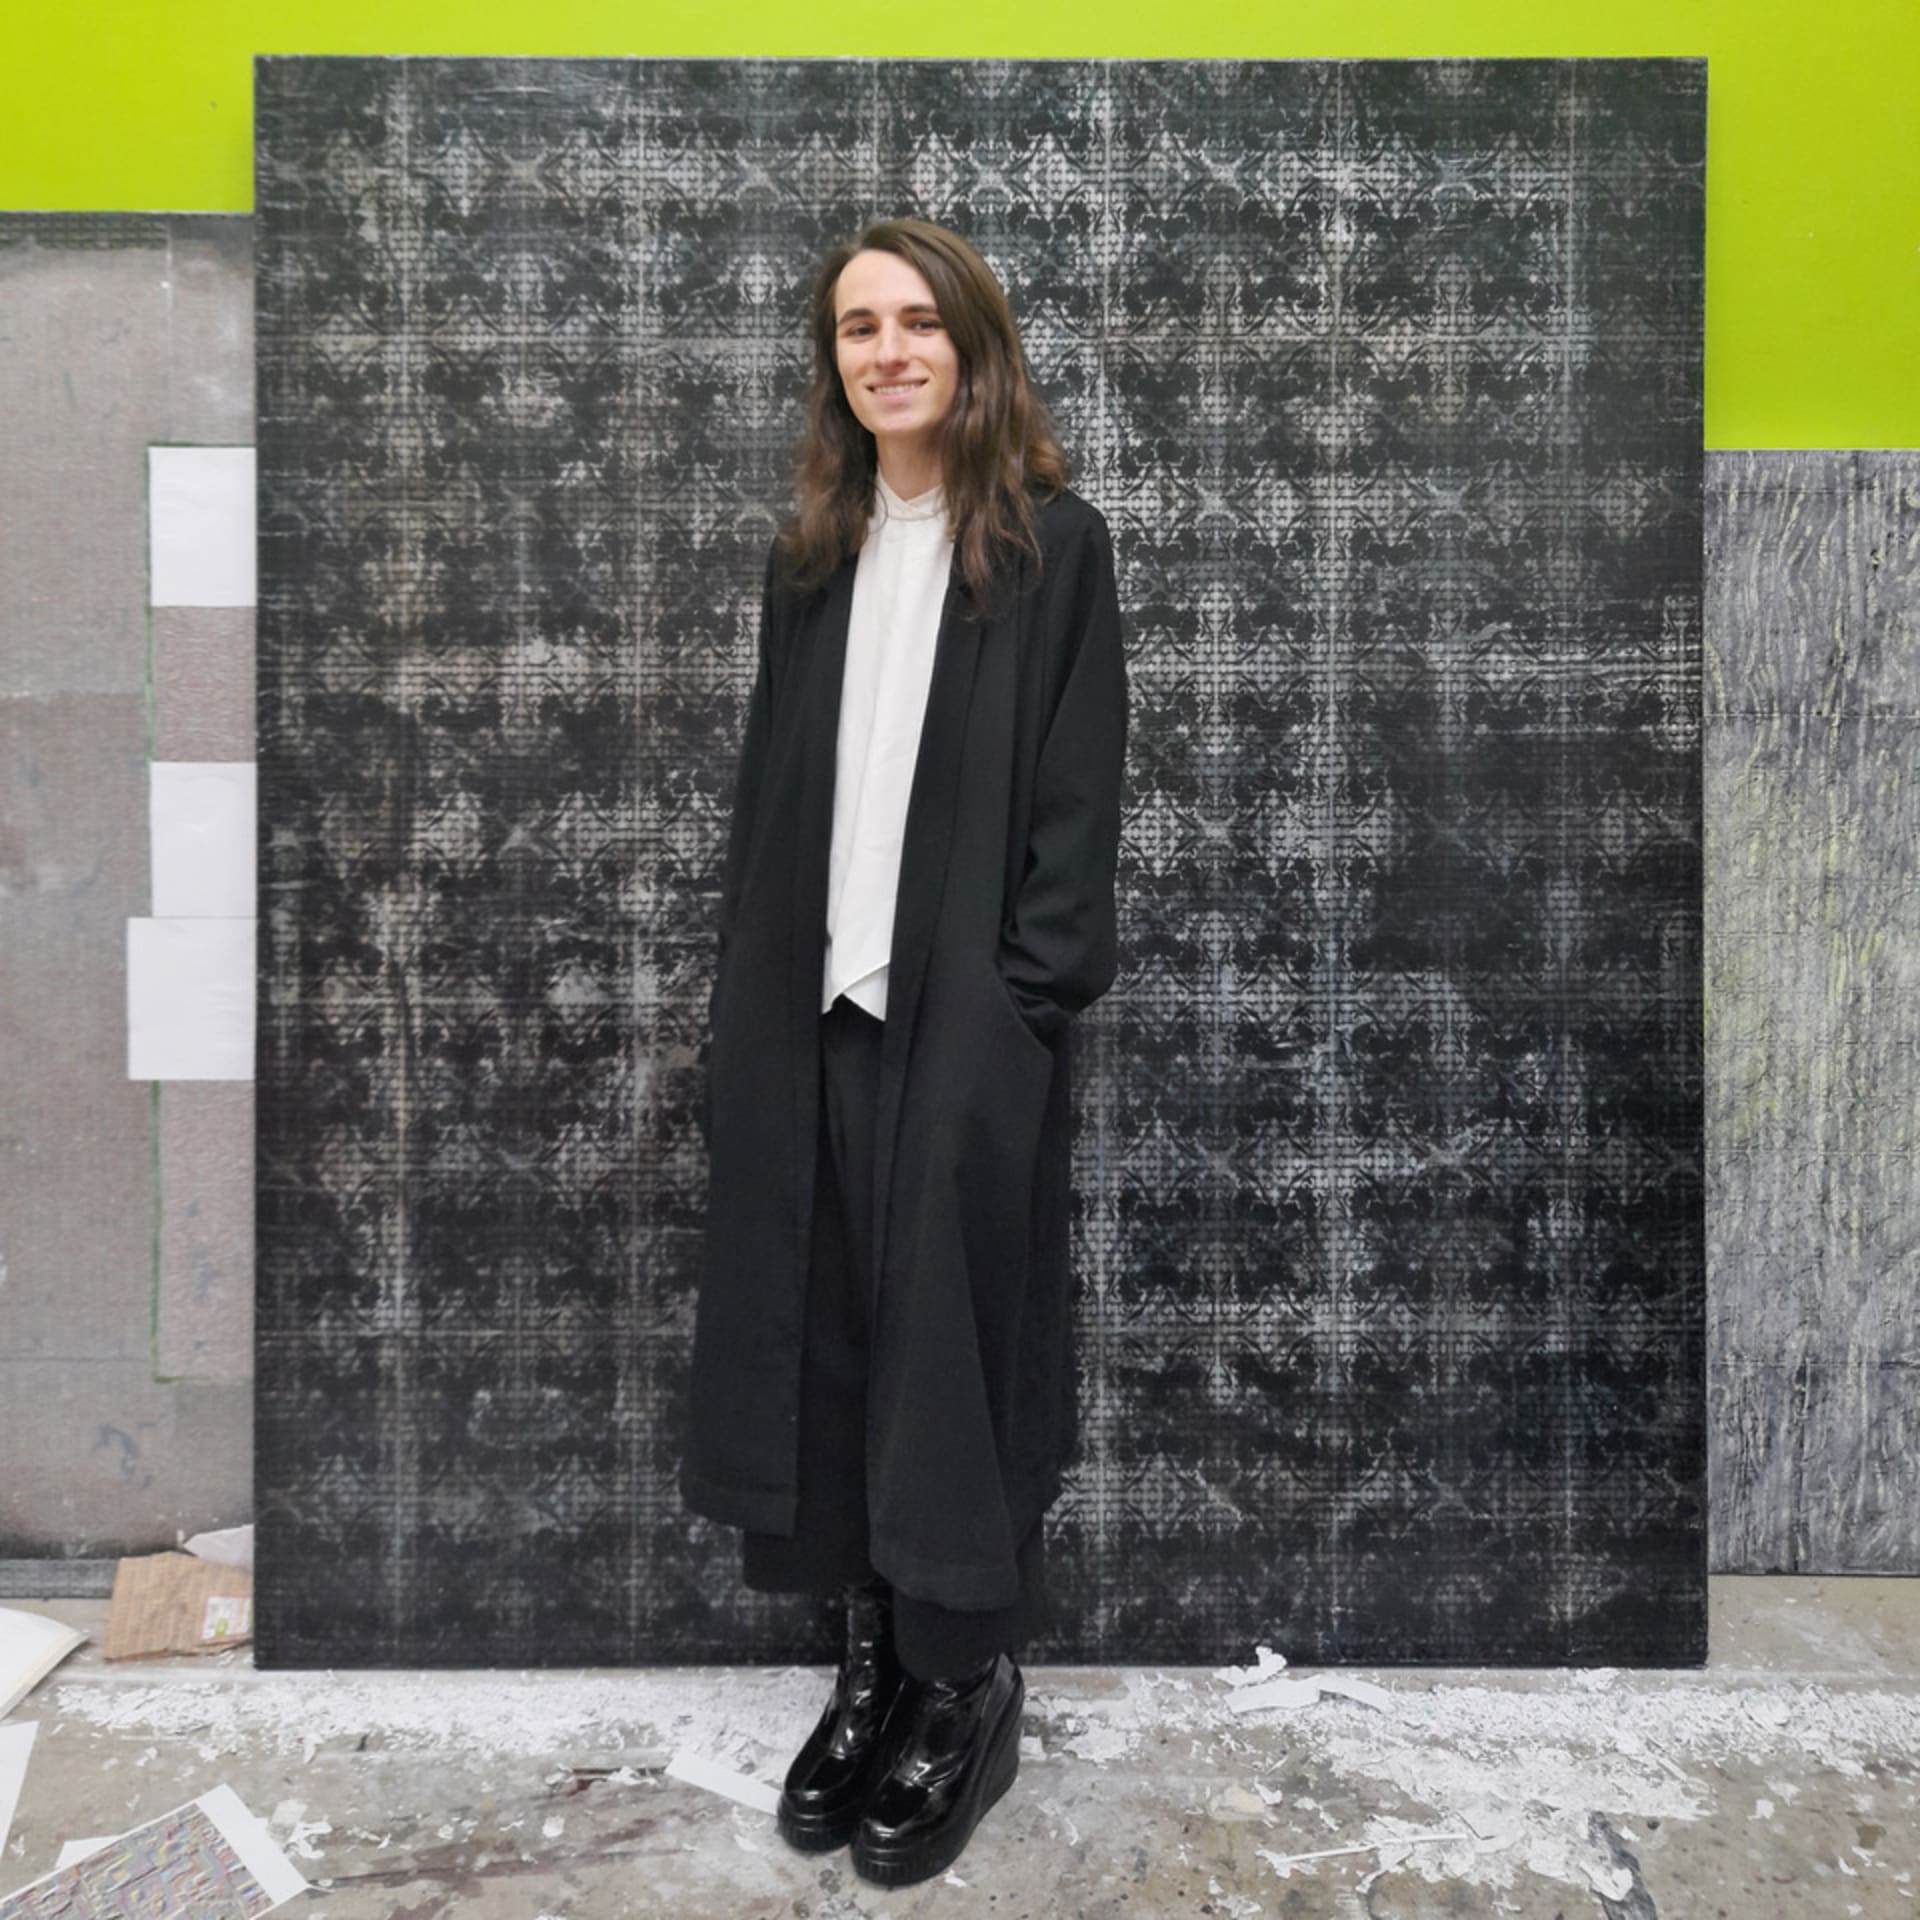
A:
(126, 1305)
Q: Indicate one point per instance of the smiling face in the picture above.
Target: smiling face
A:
(897, 361)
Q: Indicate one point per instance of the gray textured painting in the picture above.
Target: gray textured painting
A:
(1388, 1167)
(1813, 975)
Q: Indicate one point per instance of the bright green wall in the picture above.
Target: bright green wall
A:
(1813, 177)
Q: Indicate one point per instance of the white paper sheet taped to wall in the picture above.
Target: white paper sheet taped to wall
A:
(201, 828)
(190, 999)
(200, 527)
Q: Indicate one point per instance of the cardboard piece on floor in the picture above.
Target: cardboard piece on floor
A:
(211, 1859)
(16, 1743)
(31, 1646)
(177, 1603)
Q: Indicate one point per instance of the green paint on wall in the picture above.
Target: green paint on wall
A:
(1813, 218)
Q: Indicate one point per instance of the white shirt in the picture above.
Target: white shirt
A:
(899, 588)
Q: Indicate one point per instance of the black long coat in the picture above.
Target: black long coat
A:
(1004, 928)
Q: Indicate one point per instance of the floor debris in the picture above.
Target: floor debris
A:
(699, 1771)
(1775, 1781)
(209, 1859)
(31, 1646)
(16, 1749)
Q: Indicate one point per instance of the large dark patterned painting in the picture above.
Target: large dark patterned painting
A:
(1388, 1208)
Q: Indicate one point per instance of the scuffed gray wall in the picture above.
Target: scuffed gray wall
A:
(126, 1234)
(1812, 721)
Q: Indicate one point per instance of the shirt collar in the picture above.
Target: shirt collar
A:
(923, 506)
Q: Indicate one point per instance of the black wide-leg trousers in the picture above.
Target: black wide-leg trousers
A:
(827, 1550)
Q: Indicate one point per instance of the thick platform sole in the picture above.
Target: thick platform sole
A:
(936, 1852)
(812, 1829)
(818, 1832)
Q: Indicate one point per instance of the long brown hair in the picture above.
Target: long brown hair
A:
(997, 441)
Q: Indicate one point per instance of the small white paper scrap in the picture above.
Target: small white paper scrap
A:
(1284, 1693)
(72, 1850)
(200, 816)
(190, 999)
(231, 1546)
(226, 1616)
(200, 507)
(1362, 1690)
(1269, 1662)
(698, 1771)
(1290, 1694)
(16, 1744)
(1611, 1883)
(1284, 1863)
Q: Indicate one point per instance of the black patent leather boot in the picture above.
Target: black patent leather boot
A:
(836, 1769)
(960, 1753)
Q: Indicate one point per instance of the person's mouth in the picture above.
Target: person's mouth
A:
(897, 389)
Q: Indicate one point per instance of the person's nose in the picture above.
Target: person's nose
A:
(892, 347)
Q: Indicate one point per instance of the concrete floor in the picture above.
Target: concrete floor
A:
(1781, 1780)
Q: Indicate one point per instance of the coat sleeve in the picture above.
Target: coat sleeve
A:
(746, 801)
(1059, 949)
(748, 772)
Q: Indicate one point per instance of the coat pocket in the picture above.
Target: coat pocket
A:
(1011, 1007)
(1004, 1077)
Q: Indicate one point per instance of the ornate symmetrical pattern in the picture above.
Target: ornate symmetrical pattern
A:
(1388, 1165)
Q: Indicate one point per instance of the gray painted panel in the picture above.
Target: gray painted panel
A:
(1813, 582)
(1813, 1009)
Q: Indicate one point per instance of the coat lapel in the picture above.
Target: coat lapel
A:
(926, 841)
(927, 837)
(824, 631)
